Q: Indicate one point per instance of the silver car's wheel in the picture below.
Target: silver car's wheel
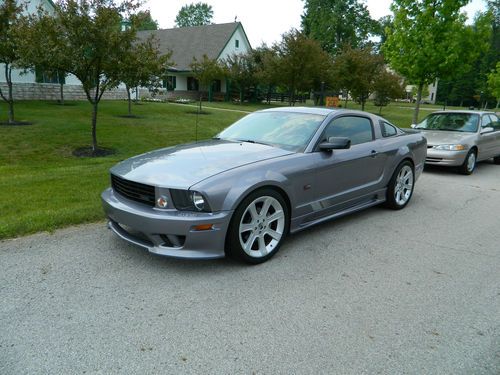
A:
(404, 185)
(258, 227)
(400, 187)
(469, 164)
(261, 226)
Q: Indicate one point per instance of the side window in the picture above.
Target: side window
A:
(495, 122)
(486, 121)
(387, 129)
(357, 129)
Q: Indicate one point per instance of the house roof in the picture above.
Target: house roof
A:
(195, 41)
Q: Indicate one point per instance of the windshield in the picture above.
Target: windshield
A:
(459, 122)
(291, 131)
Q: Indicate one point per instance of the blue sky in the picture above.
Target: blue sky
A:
(265, 20)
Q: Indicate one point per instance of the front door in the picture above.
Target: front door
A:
(348, 177)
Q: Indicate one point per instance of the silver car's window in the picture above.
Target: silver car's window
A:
(461, 122)
(486, 121)
(387, 129)
(291, 131)
(495, 123)
(357, 129)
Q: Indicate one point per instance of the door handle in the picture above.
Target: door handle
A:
(373, 153)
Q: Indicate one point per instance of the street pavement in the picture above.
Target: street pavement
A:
(415, 291)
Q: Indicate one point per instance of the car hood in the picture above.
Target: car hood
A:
(183, 166)
(441, 137)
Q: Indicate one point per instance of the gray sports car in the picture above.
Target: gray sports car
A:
(273, 172)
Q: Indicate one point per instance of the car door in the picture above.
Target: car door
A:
(347, 177)
(487, 142)
(495, 124)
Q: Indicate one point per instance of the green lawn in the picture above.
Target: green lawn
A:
(44, 187)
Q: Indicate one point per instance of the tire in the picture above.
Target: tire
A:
(469, 163)
(255, 236)
(401, 185)
(496, 160)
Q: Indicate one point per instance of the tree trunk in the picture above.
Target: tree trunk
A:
(241, 95)
(417, 105)
(94, 126)
(485, 104)
(498, 103)
(8, 75)
(346, 99)
(129, 100)
(61, 92)
(380, 110)
(11, 104)
(362, 103)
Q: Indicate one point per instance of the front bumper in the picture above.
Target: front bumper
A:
(166, 232)
(446, 158)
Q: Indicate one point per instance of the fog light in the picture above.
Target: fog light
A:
(162, 201)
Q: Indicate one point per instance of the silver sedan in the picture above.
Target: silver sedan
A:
(271, 173)
(461, 138)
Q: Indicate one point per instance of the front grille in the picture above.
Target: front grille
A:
(134, 190)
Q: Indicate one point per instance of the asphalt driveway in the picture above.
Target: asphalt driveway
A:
(415, 291)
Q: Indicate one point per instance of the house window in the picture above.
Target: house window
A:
(216, 86)
(41, 76)
(237, 43)
(170, 83)
(192, 84)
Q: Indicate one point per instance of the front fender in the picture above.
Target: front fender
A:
(226, 191)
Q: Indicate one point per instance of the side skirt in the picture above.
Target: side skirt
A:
(378, 199)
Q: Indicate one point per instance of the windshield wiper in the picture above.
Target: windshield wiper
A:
(253, 141)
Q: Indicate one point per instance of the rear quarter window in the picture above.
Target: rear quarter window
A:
(388, 130)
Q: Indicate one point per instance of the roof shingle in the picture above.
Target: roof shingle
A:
(196, 41)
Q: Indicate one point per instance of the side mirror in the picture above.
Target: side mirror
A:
(335, 143)
(413, 126)
(487, 129)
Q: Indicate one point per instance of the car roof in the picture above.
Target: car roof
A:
(464, 111)
(308, 110)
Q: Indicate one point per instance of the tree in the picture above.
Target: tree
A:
(494, 83)
(337, 23)
(241, 70)
(470, 75)
(10, 15)
(424, 43)
(31, 32)
(194, 15)
(300, 63)
(387, 86)
(84, 38)
(142, 65)
(143, 21)
(265, 60)
(206, 71)
(355, 71)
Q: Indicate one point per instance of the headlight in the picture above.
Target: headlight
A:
(185, 200)
(450, 147)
